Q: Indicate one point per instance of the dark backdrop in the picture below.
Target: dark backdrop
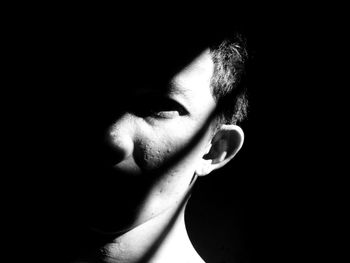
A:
(264, 206)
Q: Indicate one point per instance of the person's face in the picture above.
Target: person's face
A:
(152, 168)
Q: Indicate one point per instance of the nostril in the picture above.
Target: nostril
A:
(117, 148)
(121, 149)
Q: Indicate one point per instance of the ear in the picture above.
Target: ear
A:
(225, 144)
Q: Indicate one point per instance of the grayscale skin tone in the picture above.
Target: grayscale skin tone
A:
(146, 142)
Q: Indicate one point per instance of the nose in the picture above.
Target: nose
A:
(120, 139)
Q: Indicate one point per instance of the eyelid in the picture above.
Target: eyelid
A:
(181, 107)
(154, 104)
(168, 108)
(166, 114)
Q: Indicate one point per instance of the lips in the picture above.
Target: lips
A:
(108, 199)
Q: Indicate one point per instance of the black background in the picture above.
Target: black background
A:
(272, 203)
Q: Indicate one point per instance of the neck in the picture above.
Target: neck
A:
(161, 239)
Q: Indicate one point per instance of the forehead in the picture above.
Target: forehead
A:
(195, 77)
(191, 82)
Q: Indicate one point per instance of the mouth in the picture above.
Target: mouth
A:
(109, 199)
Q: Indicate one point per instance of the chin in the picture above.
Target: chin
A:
(108, 201)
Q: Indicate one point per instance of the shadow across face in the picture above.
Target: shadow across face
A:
(96, 85)
(100, 76)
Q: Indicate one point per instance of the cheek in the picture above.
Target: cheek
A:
(163, 148)
(154, 152)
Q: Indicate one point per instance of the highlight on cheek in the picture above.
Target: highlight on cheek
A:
(156, 152)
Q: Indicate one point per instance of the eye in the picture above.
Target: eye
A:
(166, 108)
(165, 114)
(159, 108)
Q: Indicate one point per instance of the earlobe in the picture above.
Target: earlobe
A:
(204, 168)
(225, 144)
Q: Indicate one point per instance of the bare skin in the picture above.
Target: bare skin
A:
(158, 233)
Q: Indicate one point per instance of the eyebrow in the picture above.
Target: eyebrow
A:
(173, 91)
(175, 88)
(171, 88)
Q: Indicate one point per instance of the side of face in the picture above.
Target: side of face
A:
(146, 143)
(159, 147)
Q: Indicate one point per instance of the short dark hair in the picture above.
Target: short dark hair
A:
(228, 88)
